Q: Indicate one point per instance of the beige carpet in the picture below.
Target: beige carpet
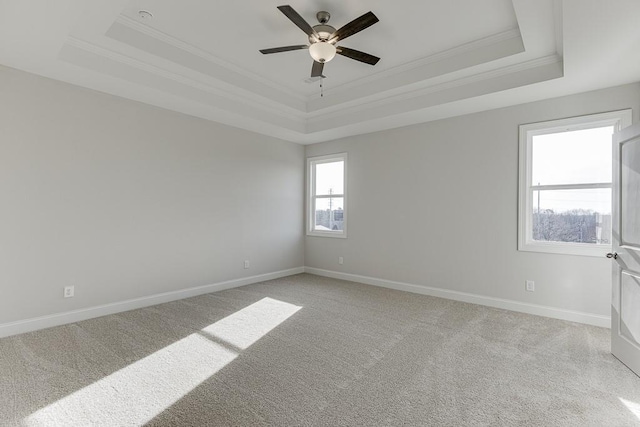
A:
(306, 350)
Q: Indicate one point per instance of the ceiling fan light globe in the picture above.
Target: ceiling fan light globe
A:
(322, 51)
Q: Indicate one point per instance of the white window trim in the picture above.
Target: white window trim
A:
(619, 119)
(311, 162)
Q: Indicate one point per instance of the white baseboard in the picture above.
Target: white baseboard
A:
(539, 310)
(36, 323)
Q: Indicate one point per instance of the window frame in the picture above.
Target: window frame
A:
(311, 196)
(618, 119)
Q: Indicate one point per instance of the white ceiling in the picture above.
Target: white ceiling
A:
(234, 34)
(439, 58)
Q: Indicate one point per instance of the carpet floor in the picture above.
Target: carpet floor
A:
(312, 351)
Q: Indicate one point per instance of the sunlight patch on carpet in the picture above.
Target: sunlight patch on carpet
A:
(139, 392)
(245, 327)
(631, 406)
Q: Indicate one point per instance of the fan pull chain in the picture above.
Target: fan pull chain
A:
(321, 88)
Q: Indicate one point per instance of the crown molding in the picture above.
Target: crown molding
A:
(412, 93)
(455, 52)
(433, 70)
(424, 108)
(559, 26)
(206, 56)
(234, 95)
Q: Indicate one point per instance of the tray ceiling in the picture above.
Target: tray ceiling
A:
(234, 34)
(439, 58)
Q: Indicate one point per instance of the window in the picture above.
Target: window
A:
(327, 196)
(565, 184)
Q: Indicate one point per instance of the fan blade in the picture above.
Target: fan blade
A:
(284, 49)
(316, 70)
(357, 55)
(298, 20)
(355, 26)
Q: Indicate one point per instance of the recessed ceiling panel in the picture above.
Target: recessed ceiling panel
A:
(408, 31)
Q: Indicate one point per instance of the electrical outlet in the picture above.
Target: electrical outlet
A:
(246, 264)
(69, 291)
(340, 260)
(530, 286)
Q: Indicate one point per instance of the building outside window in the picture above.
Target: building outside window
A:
(327, 196)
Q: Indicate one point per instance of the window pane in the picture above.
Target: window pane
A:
(575, 157)
(329, 214)
(330, 178)
(630, 187)
(578, 216)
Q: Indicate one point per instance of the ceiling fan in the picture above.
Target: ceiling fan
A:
(323, 38)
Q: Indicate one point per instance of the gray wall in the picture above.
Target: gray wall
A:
(436, 204)
(124, 200)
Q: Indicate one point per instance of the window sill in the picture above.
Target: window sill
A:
(580, 249)
(332, 234)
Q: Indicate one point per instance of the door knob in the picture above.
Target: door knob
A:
(613, 255)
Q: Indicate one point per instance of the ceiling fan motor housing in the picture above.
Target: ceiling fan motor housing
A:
(324, 31)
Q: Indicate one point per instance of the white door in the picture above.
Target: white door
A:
(625, 310)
